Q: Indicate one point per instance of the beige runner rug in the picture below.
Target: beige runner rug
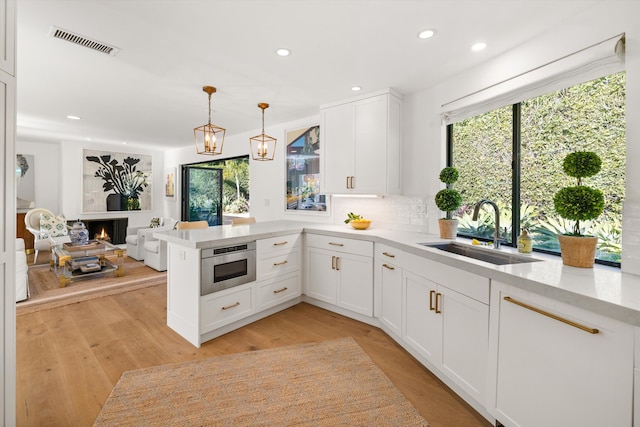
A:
(45, 291)
(331, 383)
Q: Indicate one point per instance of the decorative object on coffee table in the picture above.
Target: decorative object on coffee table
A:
(79, 234)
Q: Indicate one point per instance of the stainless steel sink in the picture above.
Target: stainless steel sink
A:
(482, 254)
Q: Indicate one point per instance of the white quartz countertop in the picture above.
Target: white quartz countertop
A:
(603, 290)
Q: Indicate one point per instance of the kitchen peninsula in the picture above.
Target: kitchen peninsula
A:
(498, 335)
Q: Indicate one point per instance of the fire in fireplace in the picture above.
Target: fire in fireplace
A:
(102, 235)
(113, 230)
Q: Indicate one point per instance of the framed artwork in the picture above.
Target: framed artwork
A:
(170, 183)
(25, 179)
(113, 181)
(302, 163)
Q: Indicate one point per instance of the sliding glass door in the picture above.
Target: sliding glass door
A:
(202, 195)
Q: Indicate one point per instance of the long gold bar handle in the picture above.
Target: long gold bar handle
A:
(333, 262)
(438, 298)
(352, 182)
(336, 244)
(553, 316)
(388, 254)
(431, 294)
(280, 290)
(280, 263)
(231, 306)
(388, 266)
(280, 243)
(347, 182)
(337, 263)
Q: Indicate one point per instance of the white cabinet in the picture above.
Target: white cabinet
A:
(360, 145)
(8, 36)
(278, 256)
(446, 321)
(221, 308)
(553, 364)
(388, 277)
(339, 271)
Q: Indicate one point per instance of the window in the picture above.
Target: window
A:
(513, 156)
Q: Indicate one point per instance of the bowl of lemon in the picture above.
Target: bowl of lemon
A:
(357, 221)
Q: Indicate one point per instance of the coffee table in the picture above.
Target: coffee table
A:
(66, 261)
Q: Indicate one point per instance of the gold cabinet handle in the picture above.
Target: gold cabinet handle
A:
(231, 306)
(280, 263)
(388, 266)
(438, 298)
(388, 254)
(280, 290)
(431, 294)
(333, 262)
(553, 316)
(347, 182)
(337, 263)
(352, 186)
(280, 243)
(336, 244)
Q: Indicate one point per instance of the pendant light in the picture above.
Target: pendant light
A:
(263, 147)
(209, 138)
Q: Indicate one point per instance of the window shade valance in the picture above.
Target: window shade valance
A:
(601, 59)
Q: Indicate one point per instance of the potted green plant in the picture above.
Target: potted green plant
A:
(579, 203)
(448, 200)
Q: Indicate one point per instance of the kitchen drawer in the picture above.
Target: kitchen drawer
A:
(276, 291)
(278, 263)
(224, 307)
(389, 254)
(340, 244)
(264, 246)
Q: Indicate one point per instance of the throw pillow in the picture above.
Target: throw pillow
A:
(53, 226)
(155, 223)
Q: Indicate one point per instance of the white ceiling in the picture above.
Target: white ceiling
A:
(151, 91)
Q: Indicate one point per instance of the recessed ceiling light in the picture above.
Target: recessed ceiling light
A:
(73, 117)
(283, 52)
(426, 34)
(478, 46)
(356, 88)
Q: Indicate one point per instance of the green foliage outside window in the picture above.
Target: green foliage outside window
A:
(586, 117)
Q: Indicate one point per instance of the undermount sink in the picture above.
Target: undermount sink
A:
(482, 254)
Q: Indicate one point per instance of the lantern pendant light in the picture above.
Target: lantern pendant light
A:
(263, 147)
(209, 138)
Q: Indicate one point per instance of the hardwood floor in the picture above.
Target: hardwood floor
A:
(69, 358)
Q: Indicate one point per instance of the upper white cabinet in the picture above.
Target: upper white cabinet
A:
(8, 36)
(553, 364)
(360, 145)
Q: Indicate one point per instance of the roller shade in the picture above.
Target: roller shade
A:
(601, 59)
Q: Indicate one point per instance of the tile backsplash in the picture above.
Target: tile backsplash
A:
(631, 237)
(407, 213)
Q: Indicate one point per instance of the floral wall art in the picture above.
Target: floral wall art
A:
(113, 181)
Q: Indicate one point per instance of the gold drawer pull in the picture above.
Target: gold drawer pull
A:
(438, 298)
(336, 244)
(431, 294)
(280, 290)
(337, 263)
(280, 243)
(553, 316)
(281, 262)
(388, 254)
(388, 266)
(333, 262)
(231, 306)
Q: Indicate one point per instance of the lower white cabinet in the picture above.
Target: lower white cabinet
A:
(390, 277)
(553, 364)
(275, 291)
(339, 271)
(448, 329)
(221, 308)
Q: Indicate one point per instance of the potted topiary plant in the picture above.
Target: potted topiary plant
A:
(579, 203)
(448, 200)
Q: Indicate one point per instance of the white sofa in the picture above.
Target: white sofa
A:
(22, 279)
(138, 235)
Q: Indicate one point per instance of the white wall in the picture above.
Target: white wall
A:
(58, 179)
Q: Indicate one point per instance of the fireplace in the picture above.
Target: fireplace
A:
(113, 230)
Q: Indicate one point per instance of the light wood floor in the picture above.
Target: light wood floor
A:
(69, 358)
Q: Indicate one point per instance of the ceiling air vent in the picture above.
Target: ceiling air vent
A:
(78, 39)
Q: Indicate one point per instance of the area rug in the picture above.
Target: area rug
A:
(45, 292)
(331, 383)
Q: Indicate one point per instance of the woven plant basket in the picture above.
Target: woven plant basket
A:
(578, 251)
(448, 228)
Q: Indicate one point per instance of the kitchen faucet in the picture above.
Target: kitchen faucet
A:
(496, 233)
